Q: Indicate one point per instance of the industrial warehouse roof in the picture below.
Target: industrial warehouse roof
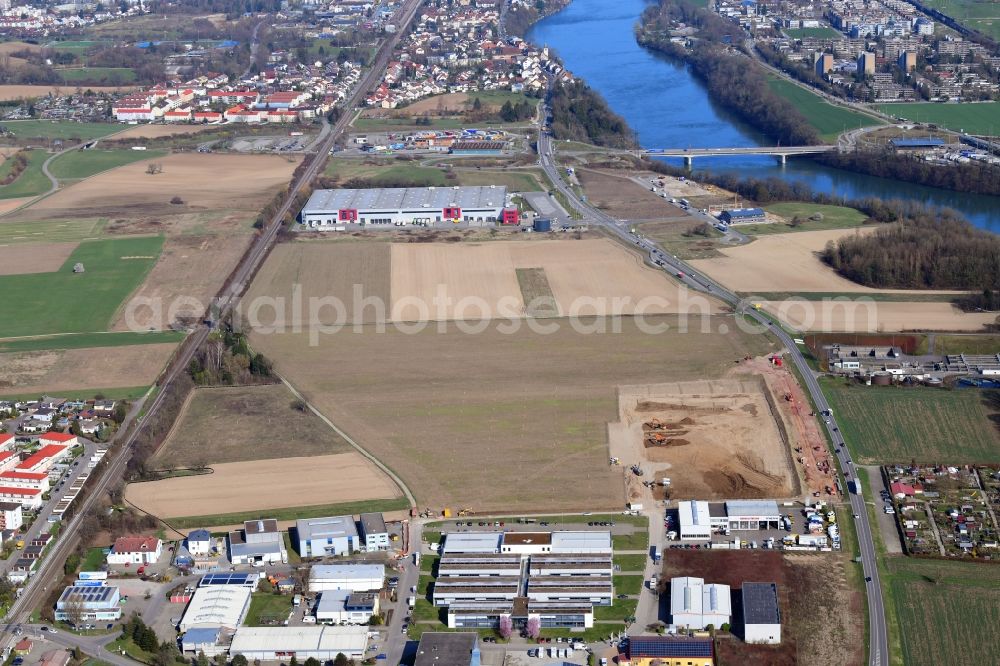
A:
(694, 513)
(917, 142)
(439, 648)
(349, 640)
(347, 571)
(527, 538)
(659, 646)
(745, 212)
(752, 508)
(760, 603)
(406, 198)
(334, 527)
(692, 595)
(219, 605)
(473, 542)
(580, 542)
(230, 578)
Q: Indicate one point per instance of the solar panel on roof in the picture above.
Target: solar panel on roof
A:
(225, 579)
(659, 647)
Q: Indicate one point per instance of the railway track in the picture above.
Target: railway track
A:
(51, 567)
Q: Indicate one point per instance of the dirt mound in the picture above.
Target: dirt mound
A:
(670, 441)
(647, 406)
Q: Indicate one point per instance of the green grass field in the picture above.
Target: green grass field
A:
(54, 230)
(628, 584)
(66, 302)
(89, 340)
(819, 33)
(32, 180)
(947, 611)
(829, 120)
(111, 76)
(515, 181)
(978, 118)
(834, 217)
(115, 393)
(886, 424)
(293, 513)
(74, 46)
(83, 163)
(964, 344)
(388, 171)
(60, 129)
(266, 608)
(975, 14)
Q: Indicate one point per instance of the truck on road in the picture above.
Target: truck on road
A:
(411, 602)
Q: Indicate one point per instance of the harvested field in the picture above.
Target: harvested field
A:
(7, 205)
(876, 316)
(320, 270)
(11, 91)
(716, 439)
(621, 197)
(78, 369)
(496, 420)
(157, 131)
(290, 482)
(190, 267)
(203, 181)
(34, 257)
(234, 419)
(783, 262)
(536, 293)
(821, 610)
(485, 277)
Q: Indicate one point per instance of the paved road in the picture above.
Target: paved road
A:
(230, 294)
(878, 648)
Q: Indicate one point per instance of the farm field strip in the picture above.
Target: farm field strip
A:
(84, 163)
(113, 268)
(974, 118)
(829, 120)
(31, 182)
(51, 230)
(888, 424)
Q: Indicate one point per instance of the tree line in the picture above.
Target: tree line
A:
(731, 79)
(919, 246)
(923, 251)
(581, 114)
(972, 177)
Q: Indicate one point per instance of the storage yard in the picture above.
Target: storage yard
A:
(716, 439)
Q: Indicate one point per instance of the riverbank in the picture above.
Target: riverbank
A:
(662, 100)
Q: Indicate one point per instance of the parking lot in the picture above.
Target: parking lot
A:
(761, 538)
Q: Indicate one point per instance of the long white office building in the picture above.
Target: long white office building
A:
(354, 577)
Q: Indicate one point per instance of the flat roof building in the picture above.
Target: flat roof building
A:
(669, 651)
(743, 215)
(440, 648)
(374, 533)
(321, 642)
(753, 514)
(761, 615)
(217, 606)
(397, 206)
(346, 607)
(259, 542)
(85, 603)
(354, 577)
(322, 537)
(473, 542)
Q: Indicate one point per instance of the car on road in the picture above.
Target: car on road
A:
(868, 579)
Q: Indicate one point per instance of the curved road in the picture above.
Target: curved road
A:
(878, 647)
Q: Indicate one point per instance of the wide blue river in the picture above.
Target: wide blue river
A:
(669, 108)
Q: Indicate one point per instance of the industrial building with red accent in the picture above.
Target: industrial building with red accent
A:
(403, 206)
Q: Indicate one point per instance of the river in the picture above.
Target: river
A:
(669, 108)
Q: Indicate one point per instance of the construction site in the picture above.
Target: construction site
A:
(743, 437)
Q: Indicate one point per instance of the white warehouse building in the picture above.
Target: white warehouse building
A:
(695, 521)
(695, 605)
(353, 577)
(217, 606)
(398, 206)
